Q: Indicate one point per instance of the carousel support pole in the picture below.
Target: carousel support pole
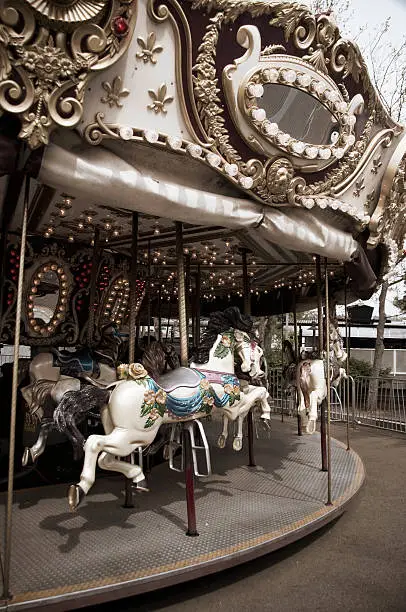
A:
(329, 503)
(247, 311)
(129, 493)
(197, 306)
(299, 418)
(323, 442)
(160, 313)
(183, 332)
(282, 364)
(188, 301)
(149, 292)
(93, 280)
(10, 486)
(347, 363)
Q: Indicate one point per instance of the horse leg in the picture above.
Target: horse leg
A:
(222, 439)
(118, 442)
(32, 453)
(130, 470)
(237, 442)
(311, 424)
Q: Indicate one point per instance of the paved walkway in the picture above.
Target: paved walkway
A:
(357, 563)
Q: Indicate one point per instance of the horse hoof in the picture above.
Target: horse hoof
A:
(27, 458)
(75, 496)
(311, 426)
(221, 441)
(141, 486)
(237, 444)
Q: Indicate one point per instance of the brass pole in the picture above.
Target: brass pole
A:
(323, 442)
(197, 309)
(92, 293)
(160, 313)
(282, 364)
(247, 311)
(10, 486)
(183, 328)
(133, 289)
(347, 364)
(149, 291)
(299, 418)
(327, 318)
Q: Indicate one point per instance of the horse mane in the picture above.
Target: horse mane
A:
(288, 349)
(219, 322)
(154, 359)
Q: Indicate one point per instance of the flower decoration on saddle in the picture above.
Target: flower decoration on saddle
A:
(154, 406)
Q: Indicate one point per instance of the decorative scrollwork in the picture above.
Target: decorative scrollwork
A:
(48, 50)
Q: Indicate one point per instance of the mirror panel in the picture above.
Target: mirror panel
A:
(47, 298)
(300, 114)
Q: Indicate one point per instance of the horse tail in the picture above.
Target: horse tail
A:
(74, 406)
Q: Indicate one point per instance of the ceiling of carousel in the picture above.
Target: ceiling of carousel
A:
(215, 251)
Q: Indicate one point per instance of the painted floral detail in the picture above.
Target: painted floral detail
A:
(224, 346)
(231, 388)
(228, 388)
(154, 406)
(159, 99)
(148, 49)
(137, 371)
(160, 397)
(204, 384)
(114, 92)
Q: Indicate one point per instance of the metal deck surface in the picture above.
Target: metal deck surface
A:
(103, 551)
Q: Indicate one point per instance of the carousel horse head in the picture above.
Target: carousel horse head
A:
(109, 344)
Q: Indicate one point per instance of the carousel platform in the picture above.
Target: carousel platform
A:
(103, 552)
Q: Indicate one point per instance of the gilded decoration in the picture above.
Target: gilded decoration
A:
(114, 92)
(159, 99)
(148, 49)
(48, 50)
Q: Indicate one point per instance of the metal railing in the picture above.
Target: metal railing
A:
(376, 402)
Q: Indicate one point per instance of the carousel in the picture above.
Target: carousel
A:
(170, 172)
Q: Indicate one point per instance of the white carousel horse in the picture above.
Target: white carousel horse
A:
(257, 376)
(308, 376)
(138, 407)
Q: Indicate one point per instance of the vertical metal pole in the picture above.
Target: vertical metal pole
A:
(183, 332)
(299, 418)
(129, 493)
(189, 480)
(327, 315)
(149, 292)
(93, 280)
(282, 364)
(183, 328)
(323, 442)
(133, 288)
(347, 365)
(247, 311)
(197, 310)
(10, 485)
(160, 313)
(188, 301)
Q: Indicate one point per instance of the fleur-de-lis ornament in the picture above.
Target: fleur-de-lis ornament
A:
(359, 186)
(159, 99)
(148, 49)
(114, 92)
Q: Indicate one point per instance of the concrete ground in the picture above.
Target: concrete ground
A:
(356, 563)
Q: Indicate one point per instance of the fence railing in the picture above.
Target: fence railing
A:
(376, 402)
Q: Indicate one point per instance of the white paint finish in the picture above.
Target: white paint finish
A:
(139, 77)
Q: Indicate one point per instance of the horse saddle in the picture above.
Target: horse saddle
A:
(75, 364)
(180, 377)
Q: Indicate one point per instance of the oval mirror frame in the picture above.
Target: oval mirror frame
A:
(61, 308)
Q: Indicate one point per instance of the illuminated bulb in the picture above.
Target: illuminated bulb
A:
(116, 233)
(156, 228)
(107, 226)
(80, 225)
(89, 219)
(62, 212)
(71, 238)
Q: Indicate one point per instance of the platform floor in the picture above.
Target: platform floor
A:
(62, 560)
